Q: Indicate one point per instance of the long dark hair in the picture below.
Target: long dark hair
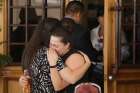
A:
(40, 37)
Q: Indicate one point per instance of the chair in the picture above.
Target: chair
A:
(87, 88)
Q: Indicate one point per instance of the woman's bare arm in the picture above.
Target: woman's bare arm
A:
(76, 67)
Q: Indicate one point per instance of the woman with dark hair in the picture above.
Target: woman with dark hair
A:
(61, 45)
(97, 32)
(36, 59)
(41, 37)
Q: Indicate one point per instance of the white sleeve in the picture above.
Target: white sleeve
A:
(94, 38)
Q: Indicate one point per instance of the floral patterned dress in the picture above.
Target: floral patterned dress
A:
(40, 73)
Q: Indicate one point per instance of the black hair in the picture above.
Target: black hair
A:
(74, 7)
(60, 31)
(100, 11)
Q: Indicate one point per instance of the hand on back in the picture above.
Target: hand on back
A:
(24, 79)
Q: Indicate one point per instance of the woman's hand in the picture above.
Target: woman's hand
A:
(87, 60)
(24, 79)
(52, 57)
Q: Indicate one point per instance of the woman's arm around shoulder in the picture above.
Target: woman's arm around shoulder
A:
(76, 66)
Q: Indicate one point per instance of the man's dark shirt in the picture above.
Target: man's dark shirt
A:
(81, 41)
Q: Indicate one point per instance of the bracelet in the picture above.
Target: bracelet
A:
(54, 66)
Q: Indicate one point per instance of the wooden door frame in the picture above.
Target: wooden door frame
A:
(109, 46)
(3, 35)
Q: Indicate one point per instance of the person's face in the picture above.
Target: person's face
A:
(56, 44)
(101, 20)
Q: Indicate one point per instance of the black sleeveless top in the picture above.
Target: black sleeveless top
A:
(70, 88)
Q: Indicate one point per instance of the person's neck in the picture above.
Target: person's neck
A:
(71, 17)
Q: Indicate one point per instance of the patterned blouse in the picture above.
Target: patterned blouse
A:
(40, 73)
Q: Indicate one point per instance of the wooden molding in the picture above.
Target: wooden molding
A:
(128, 75)
(11, 72)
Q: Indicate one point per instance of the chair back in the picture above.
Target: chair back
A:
(87, 88)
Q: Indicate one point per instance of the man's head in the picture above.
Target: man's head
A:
(92, 11)
(60, 40)
(75, 10)
(100, 15)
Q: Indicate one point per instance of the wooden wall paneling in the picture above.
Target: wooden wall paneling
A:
(13, 86)
(128, 87)
(9, 79)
